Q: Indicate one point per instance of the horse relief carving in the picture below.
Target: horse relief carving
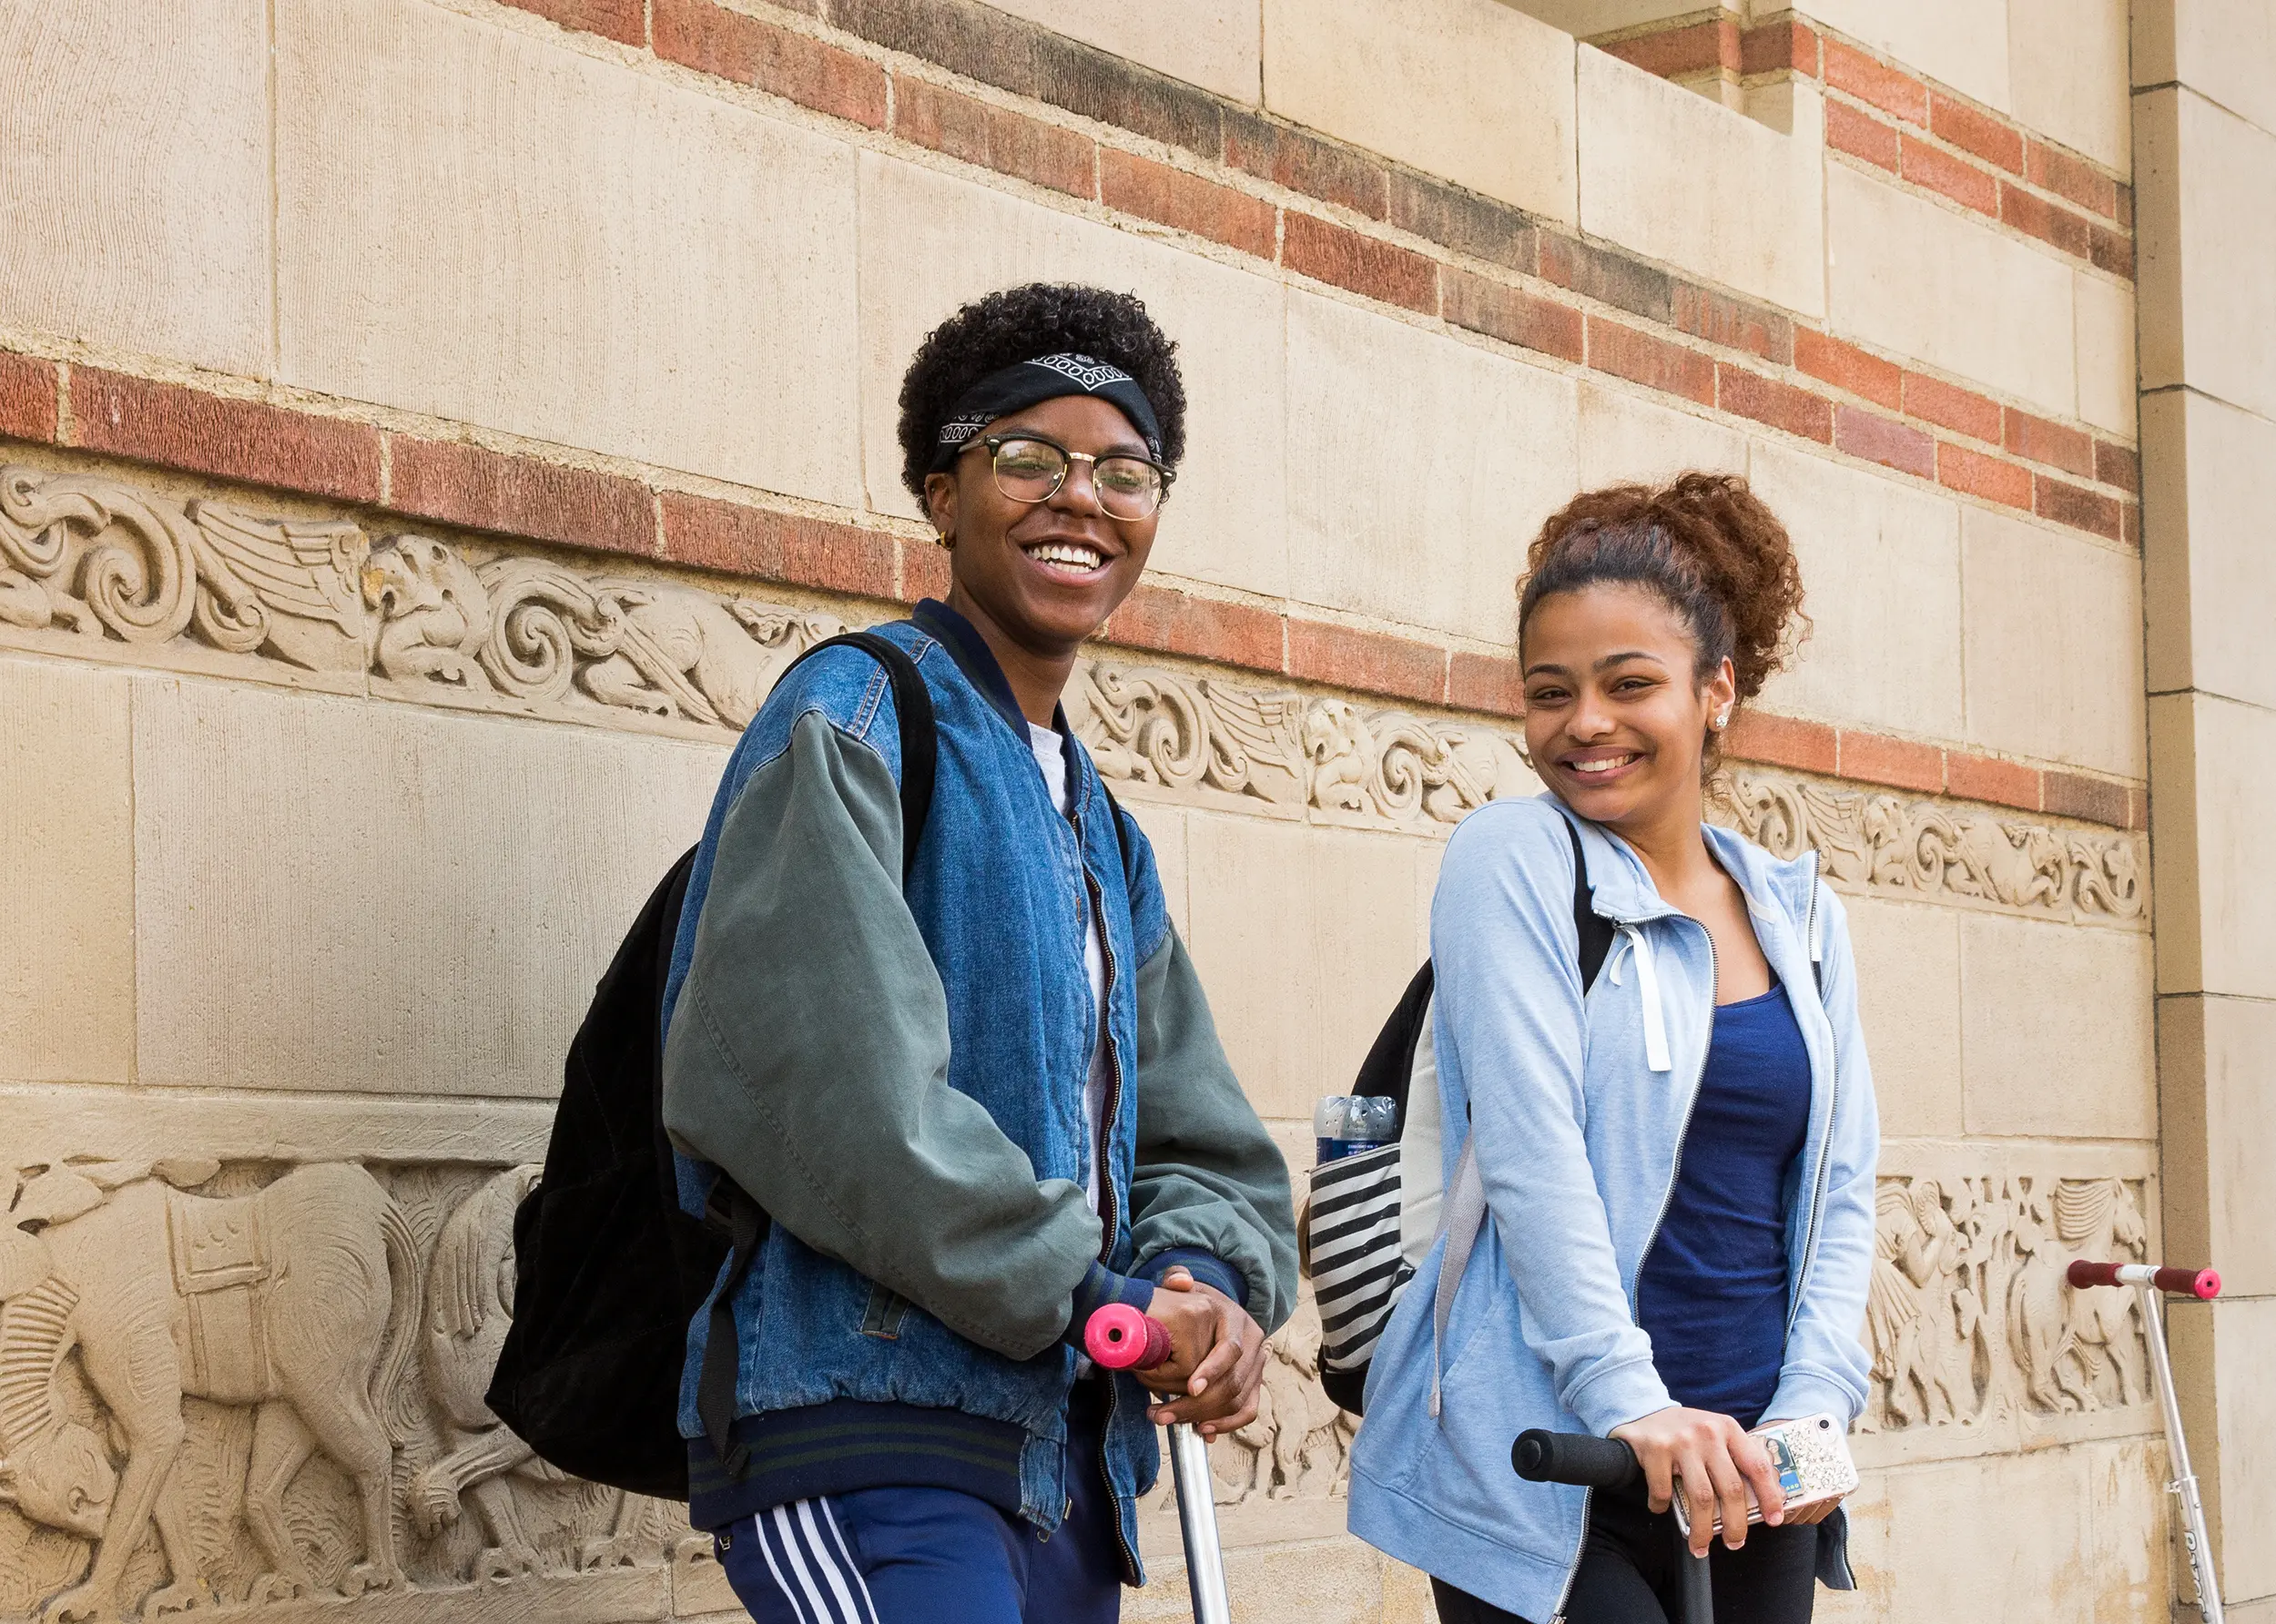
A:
(1971, 1314)
(282, 1378)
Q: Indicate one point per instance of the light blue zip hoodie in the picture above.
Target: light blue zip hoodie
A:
(1581, 1106)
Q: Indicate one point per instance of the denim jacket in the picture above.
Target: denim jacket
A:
(1579, 1101)
(897, 1076)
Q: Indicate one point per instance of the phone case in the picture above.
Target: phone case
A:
(1811, 1456)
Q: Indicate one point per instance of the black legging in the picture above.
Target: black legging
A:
(1629, 1574)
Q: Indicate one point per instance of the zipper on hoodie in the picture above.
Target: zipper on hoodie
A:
(1666, 1201)
(1833, 1100)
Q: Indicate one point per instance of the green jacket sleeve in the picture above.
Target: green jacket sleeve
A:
(1209, 1178)
(809, 1058)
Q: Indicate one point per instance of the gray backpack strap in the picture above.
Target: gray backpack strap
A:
(1465, 1219)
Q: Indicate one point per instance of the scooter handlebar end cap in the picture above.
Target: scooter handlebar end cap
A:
(1119, 1337)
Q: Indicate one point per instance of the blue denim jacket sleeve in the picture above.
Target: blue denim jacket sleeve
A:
(1826, 1366)
(1510, 1000)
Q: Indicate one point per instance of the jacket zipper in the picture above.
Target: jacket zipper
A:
(1110, 1198)
(1832, 1102)
(1714, 977)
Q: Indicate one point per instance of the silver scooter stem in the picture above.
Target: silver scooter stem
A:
(1197, 1521)
(2184, 1482)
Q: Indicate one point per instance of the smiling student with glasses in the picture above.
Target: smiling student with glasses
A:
(965, 1065)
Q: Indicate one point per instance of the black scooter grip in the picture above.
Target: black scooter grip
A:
(1575, 1458)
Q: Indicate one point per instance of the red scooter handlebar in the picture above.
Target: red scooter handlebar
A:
(1119, 1337)
(2201, 1284)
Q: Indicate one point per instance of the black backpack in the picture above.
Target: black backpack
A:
(609, 1269)
(1351, 1224)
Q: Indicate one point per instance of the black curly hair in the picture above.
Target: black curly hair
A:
(1017, 324)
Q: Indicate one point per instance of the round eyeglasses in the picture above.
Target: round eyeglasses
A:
(1031, 469)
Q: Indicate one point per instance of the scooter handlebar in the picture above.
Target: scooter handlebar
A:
(2201, 1284)
(1119, 1337)
(1575, 1458)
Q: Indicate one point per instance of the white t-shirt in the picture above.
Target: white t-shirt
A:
(1051, 754)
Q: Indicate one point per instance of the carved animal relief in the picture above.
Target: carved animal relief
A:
(519, 631)
(262, 1387)
(1971, 1316)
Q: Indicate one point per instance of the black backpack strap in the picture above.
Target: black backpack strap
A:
(1596, 930)
(729, 1208)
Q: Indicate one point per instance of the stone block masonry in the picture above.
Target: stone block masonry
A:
(425, 469)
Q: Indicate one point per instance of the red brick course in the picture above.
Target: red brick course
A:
(1972, 130)
(28, 392)
(250, 441)
(1622, 283)
(1783, 741)
(1844, 366)
(1373, 662)
(1886, 441)
(780, 61)
(1775, 46)
(1332, 253)
(2034, 216)
(1949, 406)
(1178, 623)
(1978, 475)
(1986, 778)
(1625, 353)
(1861, 135)
(924, 571)
(1767, 400)
(2074, 795)
(1158, 192)
(1304, 163)
(1511, 315)
(2081, 508)
(1697, 48)
(2040, 441)
(1939, 171)
(1732, 322)
(1850, 69)
(2067, 177)
(1489, 682)
(1894, 761)
(1464, 221)
(996, 139)
(466, 485)
(625, 21)
(2117, 465)
(761, 543)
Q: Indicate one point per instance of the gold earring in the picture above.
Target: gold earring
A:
(943, 540)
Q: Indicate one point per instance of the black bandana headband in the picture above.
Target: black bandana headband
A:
(1030, 383)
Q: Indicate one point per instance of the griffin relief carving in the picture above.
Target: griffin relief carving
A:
(97, 557)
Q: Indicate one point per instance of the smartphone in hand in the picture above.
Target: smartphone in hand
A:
(1811, 1456)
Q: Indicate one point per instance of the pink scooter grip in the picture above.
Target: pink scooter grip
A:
(1119, 1337)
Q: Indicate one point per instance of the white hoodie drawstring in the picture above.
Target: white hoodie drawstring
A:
(1647, 985)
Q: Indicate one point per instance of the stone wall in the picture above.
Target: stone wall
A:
(429, 425)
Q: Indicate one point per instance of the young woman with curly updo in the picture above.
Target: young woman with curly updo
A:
(960, 1057)
(1676, 1156)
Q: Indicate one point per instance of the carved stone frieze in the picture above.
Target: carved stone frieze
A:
(99, 559)
(1971, 1317)
(257, 1386)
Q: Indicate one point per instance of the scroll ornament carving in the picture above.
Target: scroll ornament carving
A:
(106, 560)
(1970, 1314)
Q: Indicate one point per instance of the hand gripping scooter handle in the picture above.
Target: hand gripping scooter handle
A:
(1590, 1462)
(2201, 1284)
(1119, 1337)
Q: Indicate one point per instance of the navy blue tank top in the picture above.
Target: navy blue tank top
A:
(1712, 1293)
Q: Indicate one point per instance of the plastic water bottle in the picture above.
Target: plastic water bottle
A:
(1346, 1124)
